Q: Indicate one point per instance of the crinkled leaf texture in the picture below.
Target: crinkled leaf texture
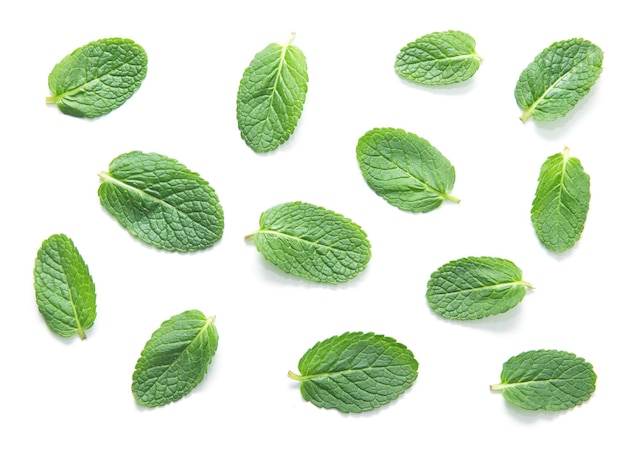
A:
(271, 96)
(439, 58)
(64, 289)
(561, 202)
(355, 372)
(551, 380)
(311, 242)
(558, 78)
(96, 79)
(175, 359)
(161, 202)
(475, 287)
(405, 169)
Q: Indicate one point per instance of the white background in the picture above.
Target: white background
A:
(60, 393)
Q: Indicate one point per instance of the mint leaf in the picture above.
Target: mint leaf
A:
(271, 96)
(355, 372)
(546, 379)
(561, 202)
(311, 242)
(161, 202)
(175, 359)
(558, 78)
(439, 58)
(475, 287)
(64, 289)
(96, 79)
(405, 169)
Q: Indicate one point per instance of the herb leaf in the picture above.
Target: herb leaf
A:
(271, 96)
(161, 202)
(97, 78)
(439, 58)
(405, 169)
(355, 372)
(175, 359)
(561, 202)
(558, 78)
(475, 287)
(552, 380)
(311, 242)
(64, 289)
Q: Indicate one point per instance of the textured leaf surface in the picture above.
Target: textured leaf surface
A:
(271, 96)
(558, 78)
(475, 287)
(405, 169)
(64, 289)
(439, 58)
(561, 202)
(96, 79)
(312, 242)
(355, 372)
(552, 380)
(161, 202)
(175, 359)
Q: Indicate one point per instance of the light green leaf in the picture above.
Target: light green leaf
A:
(271, 96)
(475, 287)
(558, 78)
(311, 242)
(175, 359)
(65, 292)
(405, 169)
(561, 202)
(439, 58)
(161, 202)
(96, 79)
(355, 372)
(551, 380)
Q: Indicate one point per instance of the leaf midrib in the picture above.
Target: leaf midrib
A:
(489, 286)
(297, 238)
(346, 371)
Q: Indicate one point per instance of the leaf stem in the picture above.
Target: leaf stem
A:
(51, 100)
(528, 285)
(249, 237)
(498, 387)
(291, 38)
(452, 198)
(529, 112)
(295, 376)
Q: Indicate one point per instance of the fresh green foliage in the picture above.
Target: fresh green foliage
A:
(96, 79)
(439, 58)
(561, 202)
(355, 372)
(558, 78)
(475, 287)
(65, 292)
(175, 359)
(405, 169)
(271, 96)
(312, 242)
(161, 202)
(546, 379)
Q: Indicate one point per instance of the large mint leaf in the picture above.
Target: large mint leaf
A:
(312, 242)
(161, 202)
(405, 169)
(271, 96)
(175, 359)
(64, 289)
(355, 372)
(96, 79)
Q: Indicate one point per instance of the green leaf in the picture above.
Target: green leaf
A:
(551, 380)
(96, 79)
(475, 287)
(161, 202)
(405, 169)
(561, 202)
(175, 359)
(271, 96)
(355, 372)
(65, 292)
(311, 242)
(558, 78)
(439, 58)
